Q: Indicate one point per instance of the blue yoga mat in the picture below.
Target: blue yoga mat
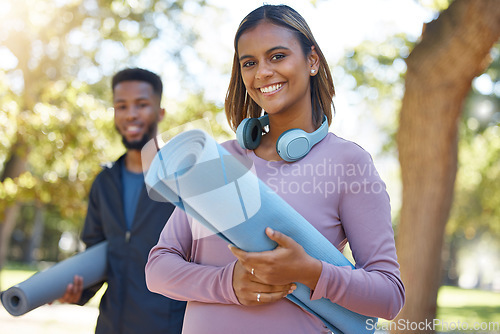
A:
(50, 284)
(220, 191)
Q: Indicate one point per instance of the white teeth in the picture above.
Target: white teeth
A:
(271, 88)
(133, 128)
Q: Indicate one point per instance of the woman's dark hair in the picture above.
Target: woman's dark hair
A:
(238, 103)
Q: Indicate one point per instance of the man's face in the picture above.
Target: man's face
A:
(137, 112)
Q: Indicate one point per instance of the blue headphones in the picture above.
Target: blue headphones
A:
(292, 145)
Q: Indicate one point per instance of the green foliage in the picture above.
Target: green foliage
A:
(196, 107)
(57, 60)
(66, 135)
(476, 207)
(53, 110)
(477, 200)
(437, 5)
(375, 72)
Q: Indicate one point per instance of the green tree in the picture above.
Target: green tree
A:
(375, 72)
(453, 49)
(56, 127)
(378, 71)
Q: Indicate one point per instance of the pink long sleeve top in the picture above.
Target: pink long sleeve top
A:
(338, 190)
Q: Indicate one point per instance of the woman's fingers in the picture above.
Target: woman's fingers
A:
(252, 298)
(250, 291)
(266, 288)
(270, 293)
(265, 298)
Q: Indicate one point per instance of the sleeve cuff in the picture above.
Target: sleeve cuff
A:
(229, 279)
(320, 289)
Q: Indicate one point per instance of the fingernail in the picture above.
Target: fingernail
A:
(271, 231)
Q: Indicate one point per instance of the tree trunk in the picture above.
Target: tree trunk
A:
(35, 239)
(450, 258)
(453, 50)
(17, 163)
(13, 168)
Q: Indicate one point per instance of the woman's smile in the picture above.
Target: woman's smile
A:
(271, 89)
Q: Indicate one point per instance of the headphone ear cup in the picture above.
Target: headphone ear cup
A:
(293, 145)
(249, 133)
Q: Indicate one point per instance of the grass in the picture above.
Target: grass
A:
(464, 307)
(469, 306)
(10, 277)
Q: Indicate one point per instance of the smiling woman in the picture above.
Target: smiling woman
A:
(279, 69)
(276, 72)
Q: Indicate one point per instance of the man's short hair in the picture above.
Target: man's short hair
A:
(138, 74)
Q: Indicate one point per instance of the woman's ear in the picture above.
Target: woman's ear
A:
(313, 60)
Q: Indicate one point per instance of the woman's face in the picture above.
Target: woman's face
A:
(274, 69)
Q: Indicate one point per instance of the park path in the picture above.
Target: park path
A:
(58, 319)
(51, 319)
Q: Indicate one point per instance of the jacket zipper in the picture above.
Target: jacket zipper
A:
(124, 293)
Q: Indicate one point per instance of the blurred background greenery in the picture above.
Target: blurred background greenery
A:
(56, 120)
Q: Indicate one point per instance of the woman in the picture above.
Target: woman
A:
(279, 68)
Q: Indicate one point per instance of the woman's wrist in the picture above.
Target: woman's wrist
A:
(311, 273)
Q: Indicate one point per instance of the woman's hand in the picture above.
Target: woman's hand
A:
(250, 291)
(287, 263)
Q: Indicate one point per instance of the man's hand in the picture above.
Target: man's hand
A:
(73, 291)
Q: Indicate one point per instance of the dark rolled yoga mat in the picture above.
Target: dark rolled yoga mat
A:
(50, 284)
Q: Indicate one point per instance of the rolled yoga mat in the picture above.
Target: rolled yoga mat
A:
(220, 191)
(50, 284)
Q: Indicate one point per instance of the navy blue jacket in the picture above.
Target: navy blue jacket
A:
(127, 306)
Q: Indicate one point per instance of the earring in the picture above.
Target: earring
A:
(313, 71)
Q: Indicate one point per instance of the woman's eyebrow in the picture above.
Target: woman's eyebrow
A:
(279, 47)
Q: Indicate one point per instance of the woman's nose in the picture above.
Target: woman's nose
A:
(263, 71)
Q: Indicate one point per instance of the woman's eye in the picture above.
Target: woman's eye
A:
(248, 64)
(278, 57)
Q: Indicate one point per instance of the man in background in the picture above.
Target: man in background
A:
(121, 212)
